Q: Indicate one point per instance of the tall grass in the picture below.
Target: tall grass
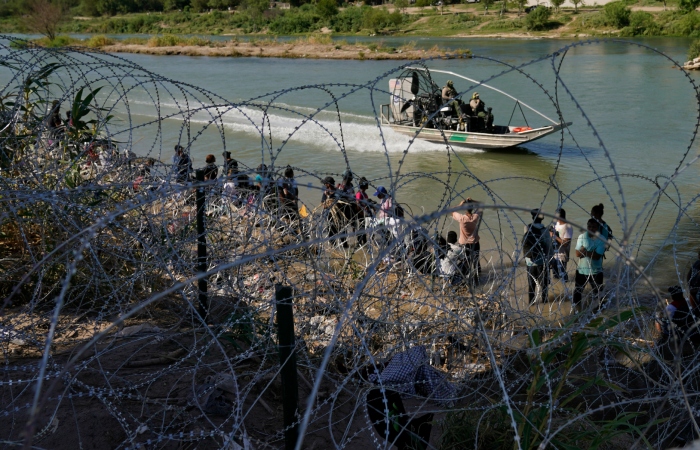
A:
(57, 42)
(170, 40)
(99, 41)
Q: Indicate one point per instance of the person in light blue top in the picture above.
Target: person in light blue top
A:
(589, 249)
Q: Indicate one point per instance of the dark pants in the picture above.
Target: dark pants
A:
(595, 280)
(537, 275)
(472, 270)
(361, 229)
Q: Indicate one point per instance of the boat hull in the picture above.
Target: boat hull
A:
(479, 141)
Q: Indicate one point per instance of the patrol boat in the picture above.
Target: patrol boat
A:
(417, 110)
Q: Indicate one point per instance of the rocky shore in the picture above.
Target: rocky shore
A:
(693, 64)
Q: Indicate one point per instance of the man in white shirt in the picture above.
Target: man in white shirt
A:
(561, 239)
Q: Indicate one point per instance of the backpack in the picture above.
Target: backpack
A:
(533, 245)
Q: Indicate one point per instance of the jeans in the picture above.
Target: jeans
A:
(595, 280)
(537, 275)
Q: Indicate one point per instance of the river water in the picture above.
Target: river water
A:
(634, 117)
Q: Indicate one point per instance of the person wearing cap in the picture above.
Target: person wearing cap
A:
(589, 250)
(386, 204)
(477, 105)
(469, 239)
(229, 163)
(448, 92)
(537, 246)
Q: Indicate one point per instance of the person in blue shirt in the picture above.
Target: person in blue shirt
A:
(605, 230)
(589, 249)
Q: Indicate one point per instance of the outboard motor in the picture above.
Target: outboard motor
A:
(425, 106)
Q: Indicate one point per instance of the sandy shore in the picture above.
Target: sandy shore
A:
(286, 50)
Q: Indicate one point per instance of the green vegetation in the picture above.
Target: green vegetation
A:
(214, 17)
(538, 19)
(555, 393)
(617, 15)
(694, 50)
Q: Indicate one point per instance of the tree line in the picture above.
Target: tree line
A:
(95, 8)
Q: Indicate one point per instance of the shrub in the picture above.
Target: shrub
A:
(99, 41)
(538, 18)
(319, 39)
(591, 21)
(688, 6)
(327, 8)
(641, 24)
(688, 25)
(379, 18)
(694, 50)
(57, 42)
(505, 24)
(300, 20)
(349, 19)
(617, 14)
(166, 40)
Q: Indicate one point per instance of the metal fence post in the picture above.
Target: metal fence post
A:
(288, 361)
(201, 244)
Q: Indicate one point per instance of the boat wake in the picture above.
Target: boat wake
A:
(285, 124)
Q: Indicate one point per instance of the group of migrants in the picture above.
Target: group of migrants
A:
(457, 258)
(546, 249)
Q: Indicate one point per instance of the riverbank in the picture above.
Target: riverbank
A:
(272, 49)
(461, 20)
(312, 47)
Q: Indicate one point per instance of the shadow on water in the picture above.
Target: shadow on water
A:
(512, 151)
(516, 161)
